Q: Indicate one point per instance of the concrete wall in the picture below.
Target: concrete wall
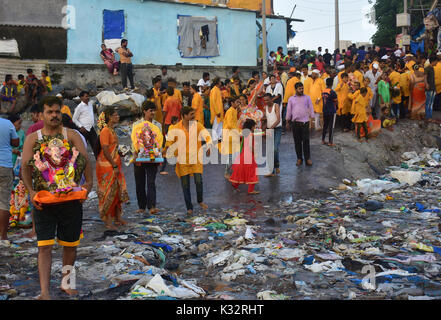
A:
(151, 28)
(277, 34)
(35, 12)
(81, 76)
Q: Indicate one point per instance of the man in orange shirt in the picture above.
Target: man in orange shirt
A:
(157, 99)
(126, 66)
(172, 108)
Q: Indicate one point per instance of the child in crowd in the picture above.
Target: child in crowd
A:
(360, 114)
(387, 121)
(245, 166)
(46, 80)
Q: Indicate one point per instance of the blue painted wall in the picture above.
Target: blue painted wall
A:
(277, 34)
(151, 29)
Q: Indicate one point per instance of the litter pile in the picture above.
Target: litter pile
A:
(369, 239)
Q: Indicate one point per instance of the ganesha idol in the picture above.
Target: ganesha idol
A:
(19, 207)
(56, 165)
(251, 112)
(149, 150)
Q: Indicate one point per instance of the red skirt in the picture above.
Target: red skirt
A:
(244, 173)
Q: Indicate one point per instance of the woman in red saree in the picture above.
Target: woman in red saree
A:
(112, 190)
(109, 60)
(417, 103)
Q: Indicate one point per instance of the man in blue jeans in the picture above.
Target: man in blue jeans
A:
(273, 114)
(185, 139)
(430, 86)
(8, 139)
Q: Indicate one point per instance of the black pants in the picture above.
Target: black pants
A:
(92, 138)
(301, 140)
(146, 199)
(185, 182)
(164, 164)
(126, 70)
(346, 121)
(437, 103)
(328, 126)
(404, 107)
(359, 126)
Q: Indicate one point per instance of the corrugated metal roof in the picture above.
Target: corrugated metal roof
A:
(30, 25)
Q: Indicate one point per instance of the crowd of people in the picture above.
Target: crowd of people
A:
(31, 87)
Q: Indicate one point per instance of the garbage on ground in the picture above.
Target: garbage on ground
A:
(379, 239)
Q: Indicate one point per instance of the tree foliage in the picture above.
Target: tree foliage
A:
(385, 19)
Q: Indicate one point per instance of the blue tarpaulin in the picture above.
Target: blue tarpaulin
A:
(114, 24)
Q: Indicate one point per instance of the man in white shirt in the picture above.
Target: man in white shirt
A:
(204, 82)
(374, 76)
(84, 119)
(275, 89)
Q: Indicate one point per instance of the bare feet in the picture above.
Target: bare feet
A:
(309, 163)
(111, 227)
(70, 292)
(227, 176)
(120, 222)
(164, 173)
(203, 206)
(323, 142)
(43, 297)
(189, 212)
(277, 171)
(140, 211)
(270, 175)
(30, 234)
(331, 144)
(299, 162)
(254, 192)
(154, 211)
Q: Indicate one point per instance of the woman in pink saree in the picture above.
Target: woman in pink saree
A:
(109, 60)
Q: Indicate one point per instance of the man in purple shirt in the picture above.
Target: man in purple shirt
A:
(299, 112)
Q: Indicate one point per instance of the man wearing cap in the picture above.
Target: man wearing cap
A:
(410, 62)
(314, 87)
(374, 76)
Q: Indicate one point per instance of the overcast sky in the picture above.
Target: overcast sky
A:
(319, 15)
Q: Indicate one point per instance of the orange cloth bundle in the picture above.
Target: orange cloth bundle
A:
(46, 197)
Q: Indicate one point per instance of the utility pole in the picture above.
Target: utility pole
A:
(337, 26)
(264, 41)
(404, 30)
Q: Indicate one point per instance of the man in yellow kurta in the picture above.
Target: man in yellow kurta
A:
(342, 91)
(437, 70)
(197, 103)
(290, 90)
(231, 137)
(185, 139)
(141, 170)
(216, 109)
(314, 88)
(157, 99)
(359, 75)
